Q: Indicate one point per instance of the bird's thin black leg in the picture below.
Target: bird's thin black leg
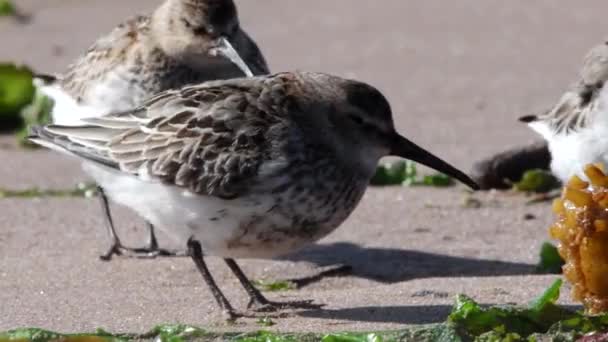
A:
(257, 301)
(153, 250)
(152, 242)
(116, 246)
(196, 253)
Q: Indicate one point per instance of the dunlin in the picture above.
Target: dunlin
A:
(576, 128)
(244, 168)
(177, 45)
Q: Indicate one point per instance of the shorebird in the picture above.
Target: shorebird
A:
(244, 168)
(576, 128)
(183, 42)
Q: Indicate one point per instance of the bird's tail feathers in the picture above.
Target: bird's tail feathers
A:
(528, 118)
(39, 135)
(57, 138)
(45, 79)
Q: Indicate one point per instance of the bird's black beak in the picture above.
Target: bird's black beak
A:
(223, 48)
(404, 148)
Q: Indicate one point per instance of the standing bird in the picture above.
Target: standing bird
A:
(244, 168)
(576, 128)
(183, 42)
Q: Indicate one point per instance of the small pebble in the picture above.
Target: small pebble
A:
(471, 202)
(430, 293)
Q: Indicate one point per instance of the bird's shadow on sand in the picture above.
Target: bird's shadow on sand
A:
(415, 314)
(388, 265)
(412, 314)
(395, 265)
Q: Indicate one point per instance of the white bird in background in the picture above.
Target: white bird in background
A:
(576, 128)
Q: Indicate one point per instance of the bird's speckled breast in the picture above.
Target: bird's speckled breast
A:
(306, 209)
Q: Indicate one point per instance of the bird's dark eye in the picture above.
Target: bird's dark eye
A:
(201, 31)
(357, 119)
(233, 29)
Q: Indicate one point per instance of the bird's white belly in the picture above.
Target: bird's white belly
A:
(115, 92)
(118, 91)
(239, 228)
(570, 153)
(66, 111)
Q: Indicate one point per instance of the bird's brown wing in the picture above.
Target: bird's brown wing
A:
(208, 139)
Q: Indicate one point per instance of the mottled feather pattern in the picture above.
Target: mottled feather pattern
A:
(213, 143)
(576, 108)
(104, 55)
(595, 65)
(250, 167)
(570, 114)
(130, 57)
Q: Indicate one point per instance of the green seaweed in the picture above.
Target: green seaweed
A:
(17, 90)
(274, 286)
(392, 174)
(22, 104)
(179, 333)
(7, 8)
(550, 260)
(405, 173)
(265, 321)
(38, 112)
(267, 336)
(353, 337)
(542, 317)
(81, 190)
(540, 320)
(438, 180)
(174, 333)
(29, 334)
(537, 180)
(41, 335)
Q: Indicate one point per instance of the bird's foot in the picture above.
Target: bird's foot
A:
(271, 306)
(231, 315)
(140, 253)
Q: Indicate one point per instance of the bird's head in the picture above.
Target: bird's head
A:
(359, 121)
(196, 29)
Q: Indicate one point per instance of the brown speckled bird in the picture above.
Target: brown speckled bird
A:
(183, 42)
(244, 168)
